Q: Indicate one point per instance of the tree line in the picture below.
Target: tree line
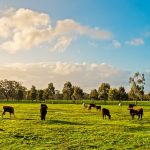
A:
(13, 90)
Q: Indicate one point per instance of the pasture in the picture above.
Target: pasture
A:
(68, 127)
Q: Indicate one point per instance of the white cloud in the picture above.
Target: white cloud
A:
(116, 44)
(24, 29)
(69, 26)
(62, 43)
(135, 42)
(87, 76)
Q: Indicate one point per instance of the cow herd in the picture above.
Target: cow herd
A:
(105, 111)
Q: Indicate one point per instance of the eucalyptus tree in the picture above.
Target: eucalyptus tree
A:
(9, 88)
(77, 93)
(122, 95)
(33, 93)
(113, 94)
(137, 83)
(103, 91)
(67, 90)
(93, 94)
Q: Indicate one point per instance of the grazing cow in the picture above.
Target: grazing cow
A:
(84, 106)
(9, 109)
(90, 106)
(138, 112)
(98, 108)
(131, 105)
(105, 112)
(43, 111)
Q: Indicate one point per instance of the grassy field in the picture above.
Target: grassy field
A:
(68, 127)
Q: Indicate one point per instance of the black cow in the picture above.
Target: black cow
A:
(9, 109)
(43, 111)
(98, 108)
(138, 112)
(90, 106)
(131, 105)
(105, 112)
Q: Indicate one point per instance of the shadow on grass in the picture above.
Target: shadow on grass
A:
(26, 119)
(1, 130)
(137, 129)
(63, 122)
(130, 128)
(8, 119)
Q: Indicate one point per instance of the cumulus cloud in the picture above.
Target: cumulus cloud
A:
(135, 42)
(87, 76)
(25, 29)
(62, 43)
(116, 44)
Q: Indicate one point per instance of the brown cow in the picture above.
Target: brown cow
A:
(105, 112)
(138, 112)
(9, 109)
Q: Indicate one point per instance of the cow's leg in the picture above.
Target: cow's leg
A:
(14, 115)
(41, 117)
(3, 113)
(44, 117)
(132, 117)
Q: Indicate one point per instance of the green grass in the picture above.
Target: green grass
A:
(68, 127)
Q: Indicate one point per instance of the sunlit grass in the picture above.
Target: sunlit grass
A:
(67, 126)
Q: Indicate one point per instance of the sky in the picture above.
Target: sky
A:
(82, 41)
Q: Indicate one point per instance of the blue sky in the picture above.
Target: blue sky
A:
(110, 33)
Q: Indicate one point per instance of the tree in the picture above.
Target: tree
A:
(103, 91)
(33, 93)
(137, 83)
(147, 96)
(113, 94)
(58, 95)
(67, 90)
(28, 95)
(40, 95)
(93, 94)
(20, 93)
(9, 88)
(51, 90)
(85, 96)
(45, 94)
(77, 93)
(122, 94)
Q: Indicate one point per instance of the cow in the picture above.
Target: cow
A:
(43, 111)
(137, 111)
(84, 106)
(106, 112)
(91, 105)
(131, 105)
(9, 109)
(98, 108)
